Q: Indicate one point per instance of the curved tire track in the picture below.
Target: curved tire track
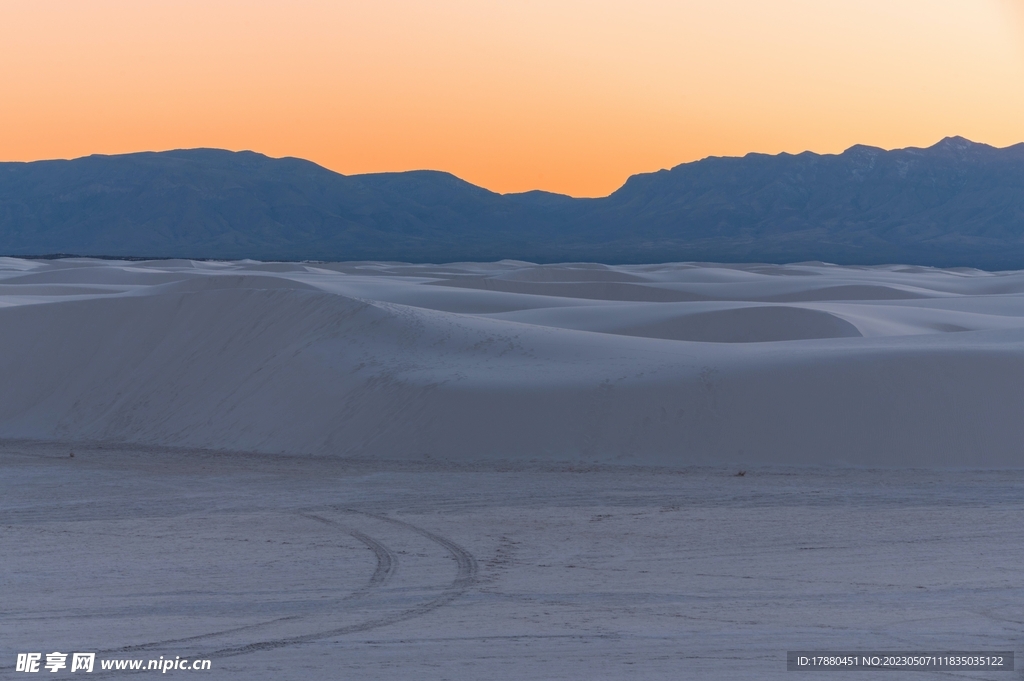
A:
(465, 577)
(387, 563)
(192, 639)
(467, 566)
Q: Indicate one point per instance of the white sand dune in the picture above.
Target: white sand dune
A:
(674, 364)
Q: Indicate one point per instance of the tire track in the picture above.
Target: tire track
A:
(467, 565)
(465, 577)
(387, 563)
(191, 639)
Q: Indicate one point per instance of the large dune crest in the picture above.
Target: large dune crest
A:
(801, 364)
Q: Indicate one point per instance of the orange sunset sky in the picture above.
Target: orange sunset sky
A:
(565, 95)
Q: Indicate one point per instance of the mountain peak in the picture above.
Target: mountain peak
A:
(955, 143)
(864, 150)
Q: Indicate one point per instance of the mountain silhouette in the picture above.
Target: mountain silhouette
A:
(957, 203)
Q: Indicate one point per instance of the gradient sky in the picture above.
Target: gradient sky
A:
(570, 96)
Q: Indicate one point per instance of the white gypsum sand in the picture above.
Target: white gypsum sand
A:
(316, 568)
(387, 471)
(676, 364)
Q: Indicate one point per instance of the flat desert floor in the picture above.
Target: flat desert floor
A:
(506, 470)
(316, 568)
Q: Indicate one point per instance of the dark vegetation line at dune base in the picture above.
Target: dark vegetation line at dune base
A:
(954, 204)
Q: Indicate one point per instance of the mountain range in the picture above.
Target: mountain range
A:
(957, 203)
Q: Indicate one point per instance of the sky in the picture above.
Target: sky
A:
(571, 96)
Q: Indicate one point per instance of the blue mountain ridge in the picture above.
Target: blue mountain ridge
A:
(957, 203)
